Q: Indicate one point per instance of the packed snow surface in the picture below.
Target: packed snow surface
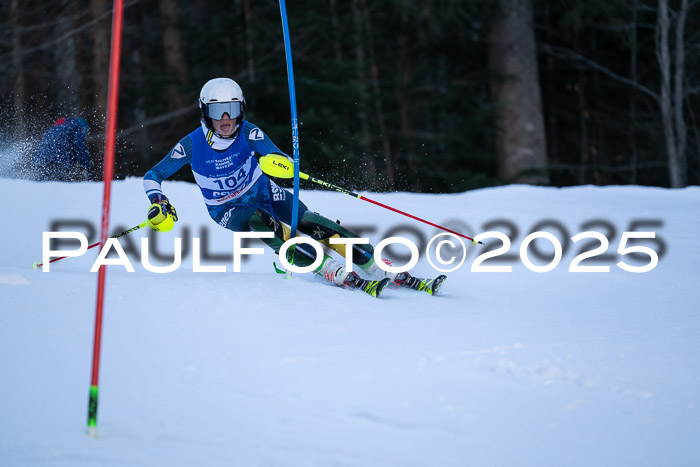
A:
(249, 369)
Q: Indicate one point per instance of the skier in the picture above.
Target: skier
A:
(62, 153)
(240, 197)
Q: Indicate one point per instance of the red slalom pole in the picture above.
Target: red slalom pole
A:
(108, 174)
(276, 165)
(364, 198)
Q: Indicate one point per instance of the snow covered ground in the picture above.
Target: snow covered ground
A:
(248, 369)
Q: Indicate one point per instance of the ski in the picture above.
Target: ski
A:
(373, 288)
(354, 281)
(430, 286)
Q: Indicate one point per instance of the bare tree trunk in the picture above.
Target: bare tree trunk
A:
(583, 128)
(141, 137)
(174, 49)
(18, 83)
(377, 98)
(403, 78)
(671, 111)
(249, 40)
(79, 57)
(100, 59)
(337, 46)
(66, 66)
(632, 140)
(663, 56)
(365, 142)
(678, 94)
(520, 139)
(552, 121)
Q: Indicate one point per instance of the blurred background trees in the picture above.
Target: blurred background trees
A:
(432, 96)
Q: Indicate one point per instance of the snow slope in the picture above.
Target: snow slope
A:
(245, 369)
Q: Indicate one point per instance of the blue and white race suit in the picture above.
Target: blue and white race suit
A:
(231, 181)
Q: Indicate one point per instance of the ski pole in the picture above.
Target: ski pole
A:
(279, 166)
(37, 265)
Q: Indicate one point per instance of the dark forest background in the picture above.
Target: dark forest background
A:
(431, 96)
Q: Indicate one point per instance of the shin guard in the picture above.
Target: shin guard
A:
(262, 221)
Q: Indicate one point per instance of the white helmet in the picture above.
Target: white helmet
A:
(219, 96)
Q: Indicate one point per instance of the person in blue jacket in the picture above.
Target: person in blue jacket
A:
(238, 195)
(62, 153)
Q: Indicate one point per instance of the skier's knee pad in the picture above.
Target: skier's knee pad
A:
(262, 221)
(323, 229)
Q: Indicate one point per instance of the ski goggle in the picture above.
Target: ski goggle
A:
(216, 110)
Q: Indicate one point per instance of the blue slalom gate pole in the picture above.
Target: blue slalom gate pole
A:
(295, 126)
